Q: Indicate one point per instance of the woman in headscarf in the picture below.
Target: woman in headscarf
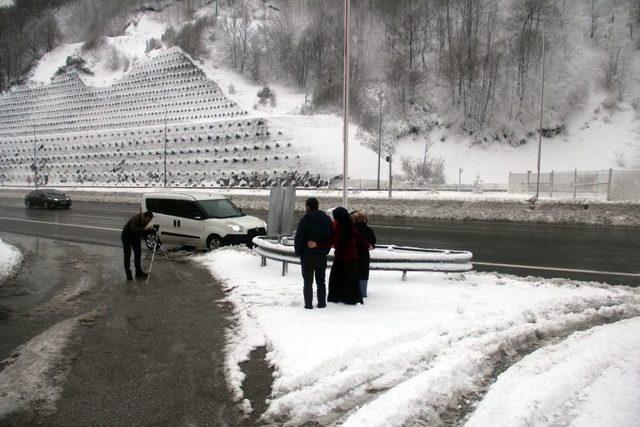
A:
(344, 279)
(360, 220)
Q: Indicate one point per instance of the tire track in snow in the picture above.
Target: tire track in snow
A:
(328, 401)
(446, 392)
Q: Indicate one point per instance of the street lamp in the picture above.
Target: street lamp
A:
(165, 141)
(544, 57)
(345, 104)
(35, 157)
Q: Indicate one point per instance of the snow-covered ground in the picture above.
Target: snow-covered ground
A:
(10, 259)
(27, 379)
(418, 351)
(591, 378)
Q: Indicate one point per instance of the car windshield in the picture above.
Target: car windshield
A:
(55, 193)
(220, 208)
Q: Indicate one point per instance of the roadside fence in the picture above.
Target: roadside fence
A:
(615, 185)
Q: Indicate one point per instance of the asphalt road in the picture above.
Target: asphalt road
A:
(143, 354)
(584, 253)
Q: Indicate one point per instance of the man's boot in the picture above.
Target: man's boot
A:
(129, 275)
(141, 275)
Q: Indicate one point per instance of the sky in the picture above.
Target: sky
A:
(4, 3)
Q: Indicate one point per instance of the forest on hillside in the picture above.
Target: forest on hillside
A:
(415, 64)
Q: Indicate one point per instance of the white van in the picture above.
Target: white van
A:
(204, 221)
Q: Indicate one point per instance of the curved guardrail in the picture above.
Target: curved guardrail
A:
(383, 257)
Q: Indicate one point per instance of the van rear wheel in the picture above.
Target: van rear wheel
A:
(214, 242)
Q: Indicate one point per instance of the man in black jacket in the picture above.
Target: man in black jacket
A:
(132, 233)
(316, 226)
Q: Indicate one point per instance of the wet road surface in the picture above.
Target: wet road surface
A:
(578, 252)
(142, 355)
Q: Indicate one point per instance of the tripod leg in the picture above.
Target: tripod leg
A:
(164, 252)
(155, 247)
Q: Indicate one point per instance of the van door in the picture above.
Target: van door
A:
(163, 215)
(190, 223)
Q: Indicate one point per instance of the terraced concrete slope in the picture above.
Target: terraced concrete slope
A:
(115, 135)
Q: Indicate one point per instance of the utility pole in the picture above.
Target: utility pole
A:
(390, 174)
(379, 133)
(166, 111)
(544, 57)
(35, 157)
(165, 147)
(345, 105)
(459, 178)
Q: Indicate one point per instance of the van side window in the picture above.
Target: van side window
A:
(189, 209)
(163, 206)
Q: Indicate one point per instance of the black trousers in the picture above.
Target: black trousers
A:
(315, 264)
(131, 242)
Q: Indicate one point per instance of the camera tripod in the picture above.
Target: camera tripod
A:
(158, 247)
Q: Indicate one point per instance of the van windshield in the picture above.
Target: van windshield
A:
(220, 208)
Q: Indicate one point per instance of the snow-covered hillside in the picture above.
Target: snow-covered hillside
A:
(601, 134)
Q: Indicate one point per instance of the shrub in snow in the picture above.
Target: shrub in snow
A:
(266, 94)
(153, 44)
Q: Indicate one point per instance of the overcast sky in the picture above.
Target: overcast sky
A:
(5, 3)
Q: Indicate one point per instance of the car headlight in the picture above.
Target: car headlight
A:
(235, 227)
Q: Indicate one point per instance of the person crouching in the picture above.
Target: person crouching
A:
(131, 236)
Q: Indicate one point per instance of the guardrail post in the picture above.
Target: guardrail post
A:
(263, 261)
(575, 183)
(609, 185)
(285, 268)
(404, 276)
(551, 184)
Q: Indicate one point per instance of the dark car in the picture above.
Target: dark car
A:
(47, 199)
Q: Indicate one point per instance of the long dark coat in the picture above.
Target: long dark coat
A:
(364, 259)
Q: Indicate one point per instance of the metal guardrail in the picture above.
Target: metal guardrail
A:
(383, 257)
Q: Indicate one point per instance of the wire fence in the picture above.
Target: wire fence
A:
(600, 184)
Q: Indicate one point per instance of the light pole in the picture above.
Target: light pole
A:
(35, 157)
(379, 133)
(165, 141)
(544, 57)
(345, 105)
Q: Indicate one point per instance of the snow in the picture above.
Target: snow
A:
(52, 61)
(590, 379)
(596, 139)
(411, 352)
(27, 378)
(131, 47)
(10, 259)
(320, 135)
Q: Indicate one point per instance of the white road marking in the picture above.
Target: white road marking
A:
(400, 227)
(97, 216)
(566, 270)
(486, 264)
(60, 223)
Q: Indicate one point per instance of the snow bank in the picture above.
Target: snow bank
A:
(10, 259)
(28, 378)
(591, 378)
(414, 347)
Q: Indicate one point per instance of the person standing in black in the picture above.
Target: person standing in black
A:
(314, 226)
(361, 220)
(131, 236)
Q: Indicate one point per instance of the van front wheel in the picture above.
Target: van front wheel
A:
(213, 242)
